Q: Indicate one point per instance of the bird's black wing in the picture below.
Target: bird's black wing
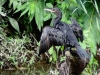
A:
(71, 39)
(50, 37)
(77, 29)
(74, 42)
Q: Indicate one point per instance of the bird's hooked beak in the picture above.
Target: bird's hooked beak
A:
(50, 10)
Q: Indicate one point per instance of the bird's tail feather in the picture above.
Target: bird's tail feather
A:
(82, 53)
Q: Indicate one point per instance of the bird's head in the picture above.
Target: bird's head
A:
(56, 11)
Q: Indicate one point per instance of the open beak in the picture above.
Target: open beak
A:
(50, 10)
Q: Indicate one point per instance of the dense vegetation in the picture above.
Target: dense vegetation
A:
(21, 23)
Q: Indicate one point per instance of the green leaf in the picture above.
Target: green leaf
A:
(97, 21)
(39, 13)
(96, 6)
(10, 2)
(49, 5)
(83, 44)
(74, 10)
(91, 60)
(15, 4)
(63, 58)
(31, 10)
(2, 13)
(25, 11)
(62, 48)
(19, 5)
(2, 2)
(50, 59)
(54, 55)
(24, 6)
(83, 7)
(32, 7)
(64, 5)
(47, 16)
(50, 50)
(14, 23)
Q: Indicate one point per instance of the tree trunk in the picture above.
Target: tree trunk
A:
(73, 65)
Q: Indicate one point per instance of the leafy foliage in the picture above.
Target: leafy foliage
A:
(32, 8)
(14, 52)
(53, 57)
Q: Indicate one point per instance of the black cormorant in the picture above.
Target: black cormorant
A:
(60, 34)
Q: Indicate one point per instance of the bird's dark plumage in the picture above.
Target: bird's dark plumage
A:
(50, 37)
(60, 34)
(77, 29)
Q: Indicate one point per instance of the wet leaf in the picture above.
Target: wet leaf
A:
(14, 23)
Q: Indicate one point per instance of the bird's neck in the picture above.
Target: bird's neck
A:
(57, 19)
